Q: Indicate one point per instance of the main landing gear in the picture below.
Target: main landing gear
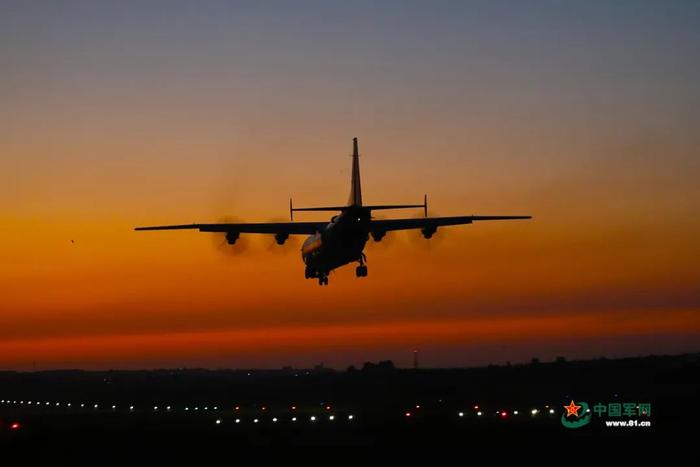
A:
(361, 270)
(323, 280)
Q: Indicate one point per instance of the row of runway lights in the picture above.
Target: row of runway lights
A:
(156, 408)
(168, 408)
(407, 414)
(94, 406)
(312, 419)
(479, 413)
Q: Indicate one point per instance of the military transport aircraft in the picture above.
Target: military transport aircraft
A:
(342, 240)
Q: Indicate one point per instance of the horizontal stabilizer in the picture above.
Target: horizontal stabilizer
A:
(323, 208)
(378, 207)
(393, 206)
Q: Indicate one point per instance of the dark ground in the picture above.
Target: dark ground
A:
(377, 398)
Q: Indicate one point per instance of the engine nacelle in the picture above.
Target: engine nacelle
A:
(231, 237)
(428, 231)
(280, 238)
(378, 235)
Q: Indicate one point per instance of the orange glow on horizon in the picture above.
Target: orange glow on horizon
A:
(232, 348)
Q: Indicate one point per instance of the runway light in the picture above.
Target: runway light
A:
(408, 414)
(68, 404)
(238, 420)
(504, 414)
(328, 407)
(479, 413)
(131, 407)
(461, 414)
(476, 407)
(255, 420)
(82, 405)
(95, 406)
(215, 408)
(313, 419)
(332, 417)
(294, 419)
(186, 409)
(206, 408)
(274, 420)
(15, 426)
(218, 422)
(515, 412)
(418, 406)
(237, 408)
(350, 417)
(534, 411)
(551, 411)
(294, 407)
(114, 407)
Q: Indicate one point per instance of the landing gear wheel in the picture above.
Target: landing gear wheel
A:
(361, 271)
(323, 280)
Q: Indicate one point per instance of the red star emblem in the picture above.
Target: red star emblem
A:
(572, 409)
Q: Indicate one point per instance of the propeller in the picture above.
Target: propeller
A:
(415, 236)
(386, 241)
(291, 244)
(242, 244)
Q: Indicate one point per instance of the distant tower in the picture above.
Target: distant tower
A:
(415, 359)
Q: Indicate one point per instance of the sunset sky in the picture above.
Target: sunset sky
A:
(585, 115)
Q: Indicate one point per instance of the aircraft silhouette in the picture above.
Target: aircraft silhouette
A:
(342, 240)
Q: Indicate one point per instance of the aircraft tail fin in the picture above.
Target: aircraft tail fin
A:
(355, 187)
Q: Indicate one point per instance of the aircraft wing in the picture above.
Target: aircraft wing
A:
(386, 225)
(291, 228)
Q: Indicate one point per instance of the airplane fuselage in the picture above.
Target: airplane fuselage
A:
(340, 242)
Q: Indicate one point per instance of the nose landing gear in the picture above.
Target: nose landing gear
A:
(361, 270)
(321, 276)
